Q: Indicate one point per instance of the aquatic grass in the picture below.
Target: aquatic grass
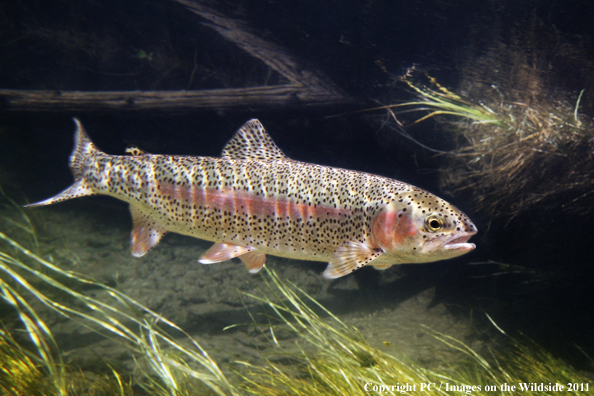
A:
(443, 102)
(157, 344)
(19, 370)
(141, 336)
(25, 224)
(34, 326)
(515, 146)
(331, 358)
(343, 361)
(335, 359)
(23, 372)
(539, 153)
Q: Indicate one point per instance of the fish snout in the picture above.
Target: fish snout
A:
(459, 242)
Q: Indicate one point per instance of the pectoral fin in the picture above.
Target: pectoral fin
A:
(349, 258)
(223, 251)
(146, 233)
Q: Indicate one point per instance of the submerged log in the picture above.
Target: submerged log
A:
(274, 56)
(212, 99)
(305, 88)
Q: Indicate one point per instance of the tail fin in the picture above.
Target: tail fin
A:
(83, 150)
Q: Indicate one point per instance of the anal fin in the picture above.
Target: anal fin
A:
(253, 261)
(146, 233)
(223, 251)
(251, 258)
(350, 257)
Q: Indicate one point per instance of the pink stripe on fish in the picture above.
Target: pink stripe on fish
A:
(242, 202)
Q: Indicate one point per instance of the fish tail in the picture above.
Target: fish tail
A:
(83, 151)
(82, 155)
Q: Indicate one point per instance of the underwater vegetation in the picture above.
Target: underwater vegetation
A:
(515, 154)
(33, 286)
(332, 357)
(520, 137)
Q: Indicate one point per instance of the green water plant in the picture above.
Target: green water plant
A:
(514, 146)
(25, 372)
(441, 101)
(335, 359)
(31, 284)
(332, 357)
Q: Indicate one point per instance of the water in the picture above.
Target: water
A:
(531, 274)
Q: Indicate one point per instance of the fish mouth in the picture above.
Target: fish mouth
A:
(459, 243)
(450, 246)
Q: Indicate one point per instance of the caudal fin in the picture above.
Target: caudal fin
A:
(84, 149)
(82, 154)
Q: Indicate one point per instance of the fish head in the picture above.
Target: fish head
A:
(419, 227)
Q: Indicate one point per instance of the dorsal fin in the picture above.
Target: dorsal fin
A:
(252, 142)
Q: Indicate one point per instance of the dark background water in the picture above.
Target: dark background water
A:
(546, 287)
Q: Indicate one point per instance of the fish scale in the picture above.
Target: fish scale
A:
(254, 201)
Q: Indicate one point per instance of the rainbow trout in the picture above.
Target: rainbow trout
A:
(253, 201)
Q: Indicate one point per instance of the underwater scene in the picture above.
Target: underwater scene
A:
(213, 197)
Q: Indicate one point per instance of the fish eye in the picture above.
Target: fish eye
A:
(434, 223)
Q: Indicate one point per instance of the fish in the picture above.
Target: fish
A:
(254, 201)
